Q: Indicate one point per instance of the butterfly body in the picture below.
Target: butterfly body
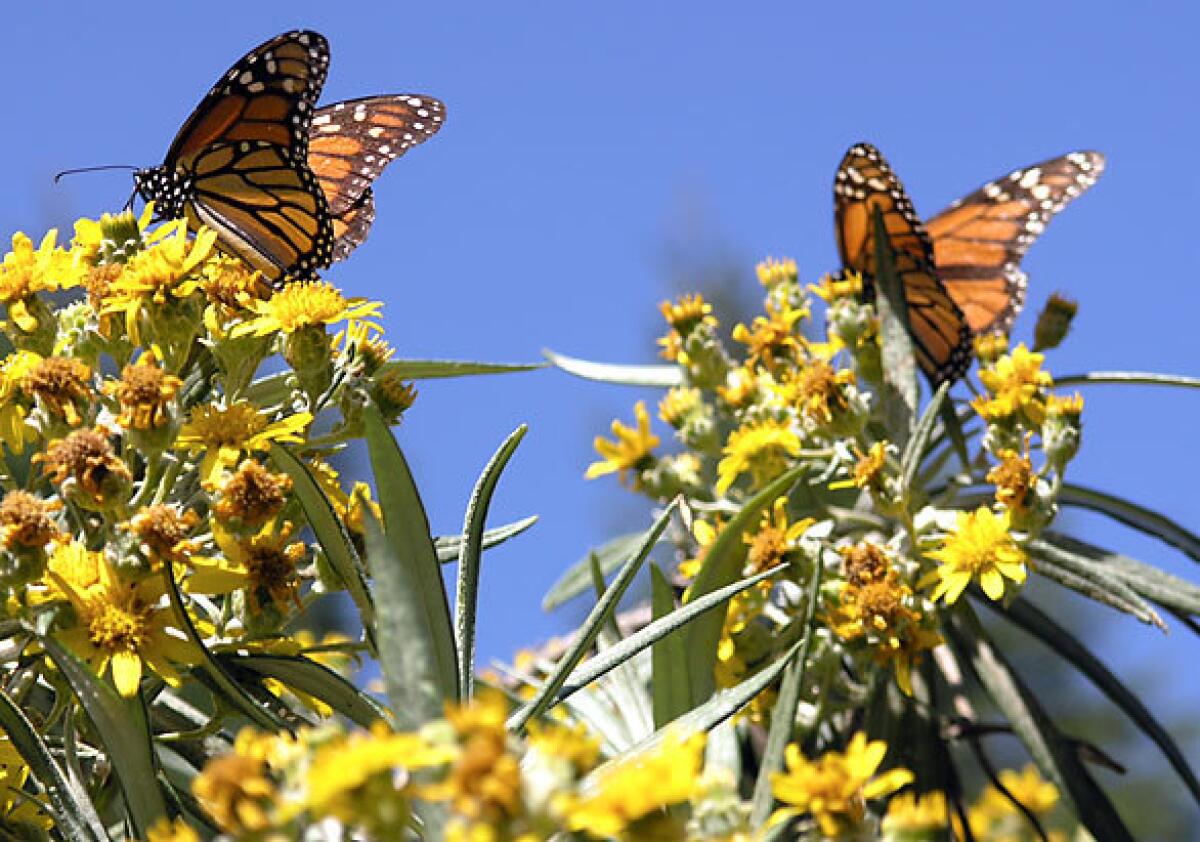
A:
(961, 270)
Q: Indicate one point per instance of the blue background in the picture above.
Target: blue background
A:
(595, 161)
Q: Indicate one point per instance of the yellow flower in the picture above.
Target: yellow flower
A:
(772, 272)
(689, 312)
(27, 271)
(835, 788)
(741, 386)
(164, 271)
(1017, 379)
(909, 813)
(635, 786)
(224, 433)
(868, 470)
(1065, 406)
(1013, 478)
(264, 563)
(364, 341)
(821, 391)
(28, 521)
(678, 405)
(762, 448)
(772, 339)
(163, 531)
(775, 538)
(630, 451)
(989, 347)
(252, 495)
(994, 816)
(62, 386)
(14, 400)
(86, 468)
(172, 830)
(979, 547)
(831, 289)
(145, 393)
(236, 788)
(17, 809)
(305, 304)
(119, 624)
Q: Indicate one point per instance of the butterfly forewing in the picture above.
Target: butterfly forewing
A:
(979, 241)
(939, 331)
(350, 145)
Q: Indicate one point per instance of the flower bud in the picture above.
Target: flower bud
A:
(1054, 322)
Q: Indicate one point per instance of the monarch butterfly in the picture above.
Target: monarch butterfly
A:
(864, 183)
(961, 271)
(238, 164)
(351, 142)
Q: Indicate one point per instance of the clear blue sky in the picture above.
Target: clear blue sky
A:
(581, 139)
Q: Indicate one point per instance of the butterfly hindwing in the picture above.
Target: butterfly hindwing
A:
(350, 145)
(865, 183)
(978, 242)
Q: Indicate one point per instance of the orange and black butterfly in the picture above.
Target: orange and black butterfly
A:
(239, 164)
(961, 273)
(349, 145)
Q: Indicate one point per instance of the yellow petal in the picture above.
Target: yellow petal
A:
(127, 672)
(992, 583)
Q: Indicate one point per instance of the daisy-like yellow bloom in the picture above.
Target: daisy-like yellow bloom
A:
(631, 450)
(678, 405)
(14, 401)
(86, 468)
(252, 495)
(909, 814)
(835, 788)
(365, 341)
(122, 625)
(830, 289)
(27, 521)
(393, 393)
(266, 564)
(306, 304)
(224, 433)
(1064, 406)
(980, 547)
(237, 788)
(741, 387)
(762, 448)
(163, 531)
(231, 284)
(868, 470)
(772, 272)
(362, 780)
(1013, 478)
(820, 391)
(772, 339)
(775, 538)
(1018, 378)
(165, 271)
(688, 313)
(864, 562)
(91, 233)
(62, 386)
(994, 816)
(145, 393)
(26, 271)
(633, 788)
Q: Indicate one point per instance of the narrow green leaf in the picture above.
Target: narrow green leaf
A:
(1024, 614)
(1141, 378)
(657, 376)
(123, 729)
(1131, 514)
(449, 546)
(271, 390)
(722, 566)
(1054, 755)
(1092, 580)
(915, 451)
(307, 676)
(331, 534)
(469, 559)
(71, 809)
(406, 651)
(655, 631)
(435, 369)
(586, 635)
(783, 715)
(901, 393)
(577, 577)
(410, 547)
(668, 659)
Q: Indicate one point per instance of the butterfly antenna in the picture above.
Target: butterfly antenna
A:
(92, 169)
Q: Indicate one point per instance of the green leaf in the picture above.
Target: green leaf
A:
(122, 727)
(915, 451)
(449, 546)
(783, 715)
(1089, 578)
(1141, 378)
(657, 376)
(411, 556)
(1131, 514)
(901, 393)
(668, 659)
(1054, 755)
(271, 390)
(469, 559)
(222, 681)
(407, 660)
(722, 566)
(434, 369)
(316, 680)
(578, 577)
(71, 809)
(331, 534)
(1024, 614)
(655, 631)
(588, 631)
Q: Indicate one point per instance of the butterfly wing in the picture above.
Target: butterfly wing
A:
(350, 145)
(864, 183)
(978, 242)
